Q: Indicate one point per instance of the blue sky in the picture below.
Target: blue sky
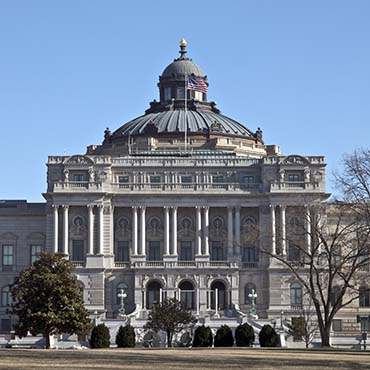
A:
(68, 69)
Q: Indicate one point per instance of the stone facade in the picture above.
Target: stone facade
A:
(161, 213)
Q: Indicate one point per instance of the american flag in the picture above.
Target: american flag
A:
(197, 84)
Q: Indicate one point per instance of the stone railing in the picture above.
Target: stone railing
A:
(177, 264)
(293, 186)
(78, 264)
(77, 186)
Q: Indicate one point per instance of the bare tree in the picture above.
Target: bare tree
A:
(330, 263)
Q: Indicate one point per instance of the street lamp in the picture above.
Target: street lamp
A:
(121, 296)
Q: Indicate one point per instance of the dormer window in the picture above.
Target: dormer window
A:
(167, 93)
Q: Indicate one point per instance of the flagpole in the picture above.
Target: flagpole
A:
(186, 124)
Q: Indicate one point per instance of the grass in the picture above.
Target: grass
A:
(176, 359)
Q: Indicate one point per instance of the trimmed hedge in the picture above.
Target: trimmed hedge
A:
(268, 337)
(224, 337)
(244, 335)
(202, 337)
(125, 337)
(100, 337)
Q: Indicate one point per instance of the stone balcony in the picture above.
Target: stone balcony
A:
(294, 186)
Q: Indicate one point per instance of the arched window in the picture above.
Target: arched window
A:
(334, 295)
(187, 294)
(6, 298)
(364, 297)
(296, 294)
(152, 293)
(248, 289)
(218, 287)
(120, 286)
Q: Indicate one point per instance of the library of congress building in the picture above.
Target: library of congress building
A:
(179, 202)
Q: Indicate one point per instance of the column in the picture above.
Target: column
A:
(198, 301)
(273, 229)
(198, 231)
(206, 230)
(174, 230)
(111, 231)
(66, 232)
(134, 230)
(142, 230)
(101, 228)
(56, 225)
(166, 231)
(230, 231)
(283, 230)
(90, 208)
(237, 230)
(308, 227)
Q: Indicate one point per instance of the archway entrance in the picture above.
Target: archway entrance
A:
(187, 294)
(153, 290)
(219, 288)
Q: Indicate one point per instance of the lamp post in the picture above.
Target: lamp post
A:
(252, 311)
(121, 296)
(281, 318)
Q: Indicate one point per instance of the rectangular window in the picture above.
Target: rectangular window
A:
(8, 255)
(167, 93)
(295, 177)
(6, 325)
(337, 325)
(186, 179)
(155, 179)
(249, 179)
(35, 252)
(122, 252)
(217, 251)
(198, 95)
(250, 254)
(294, 253)
(154, 250)
(123, 179)
(78, 177)
(180, 93)
(186, 250)
(78, 250)
(217, 179)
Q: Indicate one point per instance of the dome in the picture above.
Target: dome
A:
(182, 67)
(173, 121)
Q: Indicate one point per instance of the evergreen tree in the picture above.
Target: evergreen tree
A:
(100, 337)
(268, 337)
(224, 337)
(244, 335)
(46, 298)
(125, 337)
(202, 337)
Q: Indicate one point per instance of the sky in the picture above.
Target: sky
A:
(71, 68)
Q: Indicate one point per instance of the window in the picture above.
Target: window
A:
(296, 294)
(167, 93)
(337, 325)
(8, 255)
(155, 181)
(180, 93)
(198, 95)
(78, 250)
(186, 250)
(217, 251)
(153, 291)
(364, 297)
(295, 177)
(122, 252)
(294, 253)
(247, 291)
(78, 177)
(217, 179)
(123, 179)
(334, 295)
(250, 254)
(6, 298)
(219, 288)
(249, 179)
(35, 252)
(6, 325)
(186, 179)
(154, 250)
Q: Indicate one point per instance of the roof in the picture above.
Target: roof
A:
(174, 121)
(180, 67)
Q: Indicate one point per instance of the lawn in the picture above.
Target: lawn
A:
(176, 359)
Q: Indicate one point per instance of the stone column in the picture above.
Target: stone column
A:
(273, 229)
(283, 229)
(174, 230)
(66, 232)
(237, 230)
(308, 227)
(101, 229)
(198, 231)
(206, 230)
(142, 230)
(56, 226)
(230, 232)
(134, 231)
(90, 208)
(111, 231)
(166, 231)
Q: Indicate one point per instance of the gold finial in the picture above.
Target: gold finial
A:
(183, 42)
(182, 51)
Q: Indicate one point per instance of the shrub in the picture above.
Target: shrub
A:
(202, 337)
(125, 337)
(268, 337)
(100, 337)
(224, 337)
(244, 335)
